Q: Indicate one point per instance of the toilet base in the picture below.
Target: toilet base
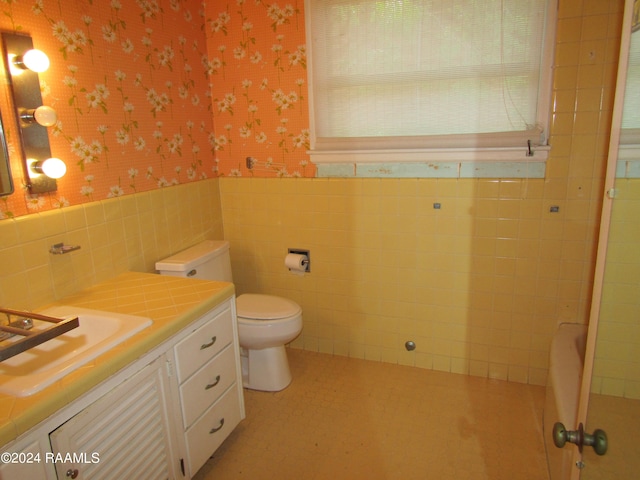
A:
(266, 369)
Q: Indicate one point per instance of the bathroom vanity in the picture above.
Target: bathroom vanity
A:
(156, 406)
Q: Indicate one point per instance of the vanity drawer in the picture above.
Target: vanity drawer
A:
(207, 384)
(206, 435)
(203, 344)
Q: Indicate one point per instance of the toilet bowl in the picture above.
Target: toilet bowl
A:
(265, 322)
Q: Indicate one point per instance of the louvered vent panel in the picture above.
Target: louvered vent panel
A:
(126, 428)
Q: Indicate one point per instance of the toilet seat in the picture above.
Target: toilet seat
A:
(258, 307)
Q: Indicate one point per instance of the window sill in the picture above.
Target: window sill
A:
(506, 162)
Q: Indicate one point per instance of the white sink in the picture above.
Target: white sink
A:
(32, 370)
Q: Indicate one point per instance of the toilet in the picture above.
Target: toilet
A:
(265, 322)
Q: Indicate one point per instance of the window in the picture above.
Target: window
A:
(631, 111)
(429, 80)
(629, 147)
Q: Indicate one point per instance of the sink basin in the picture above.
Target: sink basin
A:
(32, 370)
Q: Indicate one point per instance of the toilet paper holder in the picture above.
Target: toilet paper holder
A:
(299, 251)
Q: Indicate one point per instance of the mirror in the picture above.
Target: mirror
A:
(614, 401)
(6, 182)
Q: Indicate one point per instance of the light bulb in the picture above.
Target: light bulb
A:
(43, 115)
(53, 167)
(35, 60)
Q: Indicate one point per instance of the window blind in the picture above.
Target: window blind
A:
(427, 73)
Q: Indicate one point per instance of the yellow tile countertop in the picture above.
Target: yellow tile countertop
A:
(171, 302)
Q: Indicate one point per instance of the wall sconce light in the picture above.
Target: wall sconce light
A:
(23, 64)
(34, 60)
(51, 167)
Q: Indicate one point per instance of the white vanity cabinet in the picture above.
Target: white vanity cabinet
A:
(160, 417)
(25, 460)
(124, 434)
(209, 386)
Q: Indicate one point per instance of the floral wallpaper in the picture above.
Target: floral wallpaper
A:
(260, 106)
(152, 93)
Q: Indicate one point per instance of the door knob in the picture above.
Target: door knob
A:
(598, 440)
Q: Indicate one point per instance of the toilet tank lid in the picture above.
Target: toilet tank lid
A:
(265, 307)
(193, 256)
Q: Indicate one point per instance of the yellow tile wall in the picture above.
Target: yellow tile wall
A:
(617, 360)
(115, 235)
(481, 284)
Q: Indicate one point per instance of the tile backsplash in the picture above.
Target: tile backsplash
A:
(115, 235)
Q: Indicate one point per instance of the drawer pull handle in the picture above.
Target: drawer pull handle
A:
(207, 345)
(215, 429)
(192, 273)
(211, 385)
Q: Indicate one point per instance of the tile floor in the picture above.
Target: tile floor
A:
(344, 418)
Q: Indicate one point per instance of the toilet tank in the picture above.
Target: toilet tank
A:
(208, 260)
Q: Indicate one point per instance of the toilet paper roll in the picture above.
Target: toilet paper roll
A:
(296, 263)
